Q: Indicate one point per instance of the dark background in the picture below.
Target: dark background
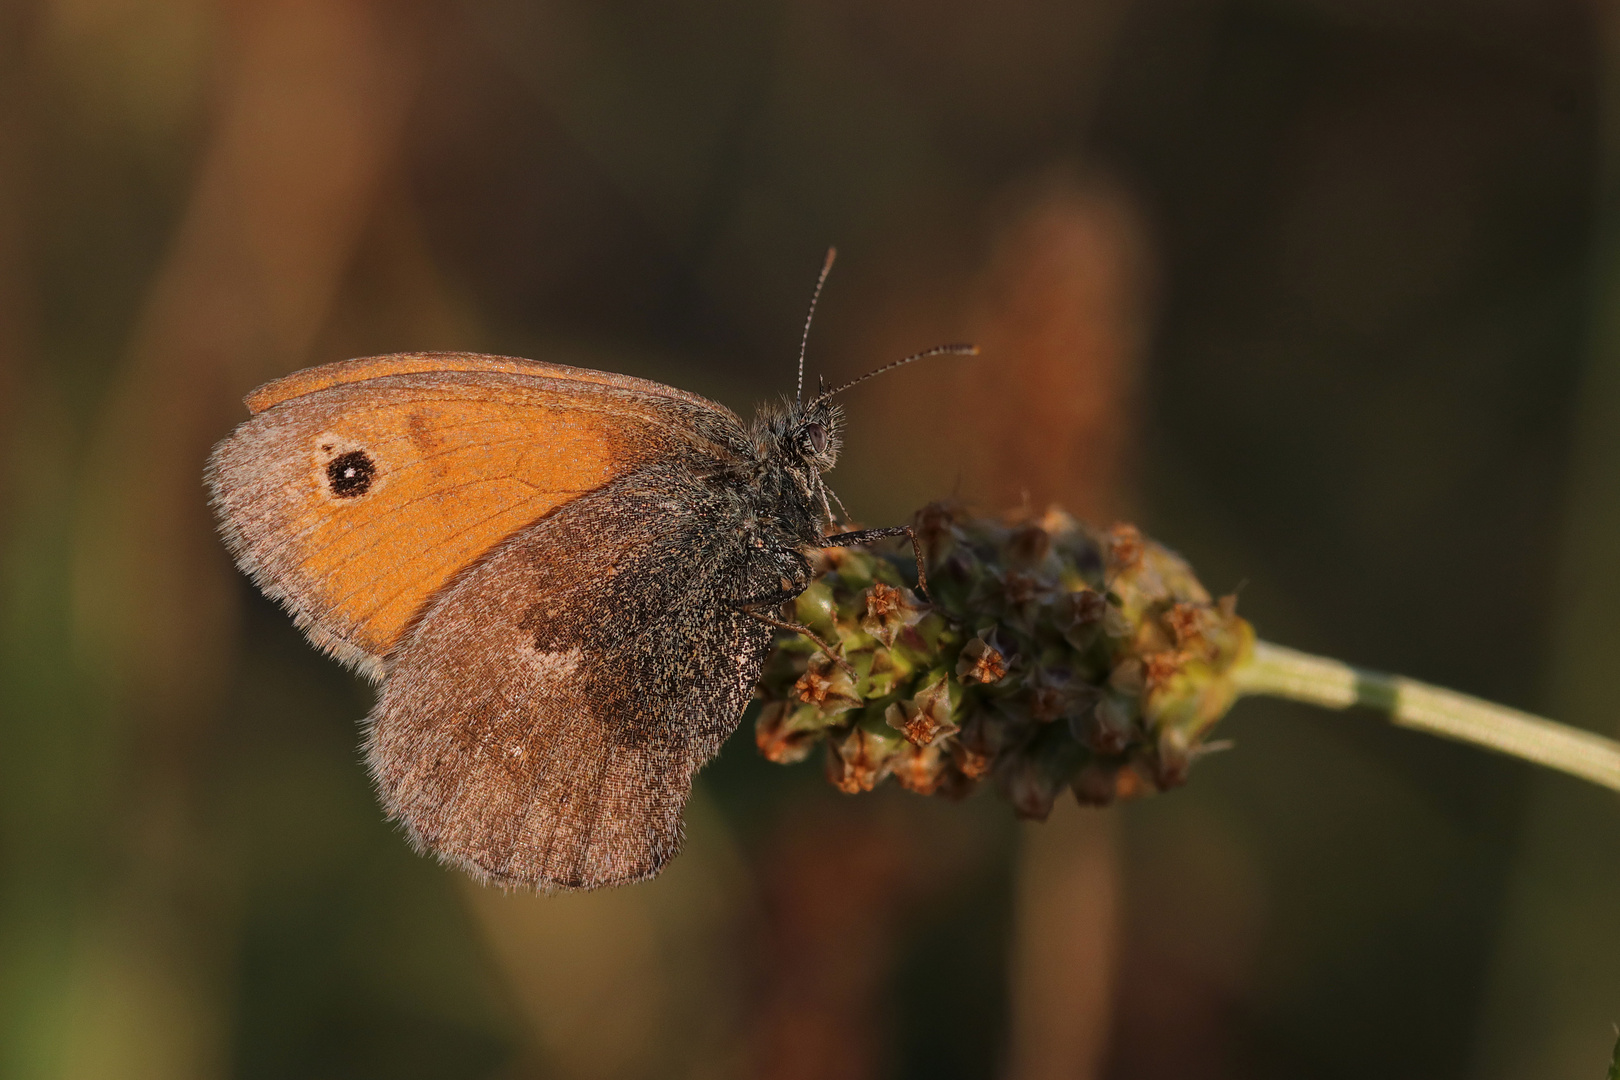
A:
(1318, 291)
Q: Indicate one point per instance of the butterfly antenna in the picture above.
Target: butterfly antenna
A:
(804, 342)
(937, 350)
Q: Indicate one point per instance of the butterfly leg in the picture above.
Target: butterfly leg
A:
(866, 536)
(842, 509)
(798, 628)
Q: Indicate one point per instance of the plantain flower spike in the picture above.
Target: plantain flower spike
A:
(1049, 656)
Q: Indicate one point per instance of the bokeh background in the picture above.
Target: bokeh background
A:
(1321, 292)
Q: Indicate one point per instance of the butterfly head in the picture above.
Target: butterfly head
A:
(804, 438)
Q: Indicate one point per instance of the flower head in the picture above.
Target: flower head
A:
(1048, 657)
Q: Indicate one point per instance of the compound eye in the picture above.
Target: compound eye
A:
(817, 434)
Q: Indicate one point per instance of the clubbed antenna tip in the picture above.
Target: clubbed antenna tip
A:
(959, 349)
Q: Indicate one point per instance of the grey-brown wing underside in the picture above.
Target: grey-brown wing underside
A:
(542, 722)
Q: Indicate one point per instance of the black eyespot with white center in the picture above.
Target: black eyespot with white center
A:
(349, 475)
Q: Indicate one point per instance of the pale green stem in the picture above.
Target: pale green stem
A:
(1276, 671)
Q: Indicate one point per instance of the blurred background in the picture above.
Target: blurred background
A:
(1323, 293)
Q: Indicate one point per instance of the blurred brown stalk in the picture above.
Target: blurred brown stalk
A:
(305, 116)
(1052, 414)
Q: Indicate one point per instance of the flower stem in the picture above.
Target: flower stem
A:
(1276, 671)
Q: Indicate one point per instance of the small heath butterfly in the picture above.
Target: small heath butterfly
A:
(566, 581)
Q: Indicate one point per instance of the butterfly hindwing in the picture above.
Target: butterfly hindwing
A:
(559, 754)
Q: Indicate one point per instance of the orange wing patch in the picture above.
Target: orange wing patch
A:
(354, 501)
(453, 478)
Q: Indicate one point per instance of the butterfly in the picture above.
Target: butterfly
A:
(565, 580)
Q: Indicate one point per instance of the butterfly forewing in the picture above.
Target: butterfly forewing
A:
(360, 488)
